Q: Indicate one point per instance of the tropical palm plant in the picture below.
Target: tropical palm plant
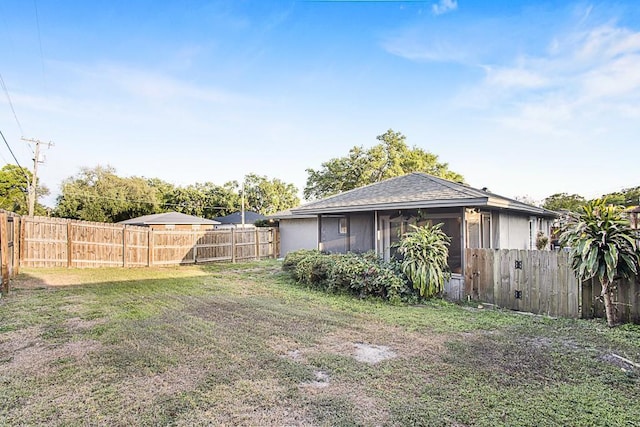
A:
(424, 253)
(604, 245)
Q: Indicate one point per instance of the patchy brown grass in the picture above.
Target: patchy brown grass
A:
(240, 345)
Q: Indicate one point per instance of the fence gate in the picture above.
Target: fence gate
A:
(539, 282)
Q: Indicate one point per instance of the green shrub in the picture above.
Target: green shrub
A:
(361, 275)
(293, 258)
(424, 252)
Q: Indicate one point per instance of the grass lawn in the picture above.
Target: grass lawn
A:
(242, 345)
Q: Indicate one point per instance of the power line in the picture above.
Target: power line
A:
(15, 116)
(14, 156)
(44, 80)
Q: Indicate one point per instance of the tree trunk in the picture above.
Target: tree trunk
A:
(608, 305)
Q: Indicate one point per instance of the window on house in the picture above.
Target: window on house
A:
(343, 226)
(478, 229)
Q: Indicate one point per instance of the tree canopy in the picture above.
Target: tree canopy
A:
(574, 202)
(14, 190)
(98, 194)
(564, 201)
(391, 157)
(267, 196)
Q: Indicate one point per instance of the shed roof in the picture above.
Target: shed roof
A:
(415, 190)
(236, 218)
(168, 218)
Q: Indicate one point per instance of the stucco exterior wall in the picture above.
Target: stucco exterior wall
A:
(514, 231)
(299, 233)
(520, 231)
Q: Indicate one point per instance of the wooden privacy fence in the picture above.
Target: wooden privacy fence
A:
(54, 242)
(626, 297)
(9, 248)
(542, 282)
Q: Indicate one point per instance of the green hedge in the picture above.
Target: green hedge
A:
(361, 275)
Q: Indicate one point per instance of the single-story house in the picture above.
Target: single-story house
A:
(172, 221)
(374, 217)
(297, 231)
(235, 219)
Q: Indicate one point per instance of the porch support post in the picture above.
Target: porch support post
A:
(463, 240)
(376, 232)
(320, 232)
(348, 236)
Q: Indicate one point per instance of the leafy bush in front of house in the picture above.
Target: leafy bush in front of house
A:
(423, 255)
(361, 275)
(292, 259)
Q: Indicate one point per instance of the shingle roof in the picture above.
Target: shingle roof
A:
(289, 215)
(168, 218)
(414, 190)
(236, 218)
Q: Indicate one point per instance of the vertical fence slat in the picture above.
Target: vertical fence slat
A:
(15, 237)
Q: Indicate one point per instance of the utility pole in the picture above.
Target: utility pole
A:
(34, 178)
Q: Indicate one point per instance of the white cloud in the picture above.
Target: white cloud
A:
(444, 6)
(515, 78)
(412, 48)
(584, 76)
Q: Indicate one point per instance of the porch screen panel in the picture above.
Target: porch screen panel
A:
(332, 240)
(452, 228)
(362, 233)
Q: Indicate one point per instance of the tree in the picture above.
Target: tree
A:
(564, 201)
(603, 244)
(267, 196)
(98, 194)
(528, 200)
(391, 157)
(206, 200)
(14, 190)
(424, 253)
(626, 197)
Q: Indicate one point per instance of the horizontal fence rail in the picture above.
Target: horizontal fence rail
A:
(542, 282)
(54, 242)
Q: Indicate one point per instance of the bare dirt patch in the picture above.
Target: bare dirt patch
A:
(372, 354)
(378, 338)
(34, 356)
(368, 344)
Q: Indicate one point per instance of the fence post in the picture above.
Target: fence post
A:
(69, 245)
(17, 223)
(257, 244)
(4, 253)
(195, 247)
(23, 237)
(124, 246)
(150, 247)
(233, 245)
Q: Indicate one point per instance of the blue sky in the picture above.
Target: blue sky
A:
(525, 98)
